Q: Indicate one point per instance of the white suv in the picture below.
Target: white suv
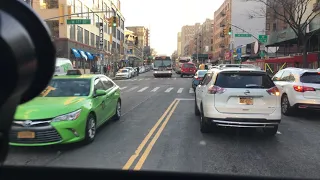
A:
(299, 88)
(238, 97)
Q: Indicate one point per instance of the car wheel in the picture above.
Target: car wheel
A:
(181, 75)
(91, 129)
(286, 108)
(196, 109)
(117, 115)
(271, 131)
(204, 125)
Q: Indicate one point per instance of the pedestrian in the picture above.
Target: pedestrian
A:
(138, 71)
(105, 69)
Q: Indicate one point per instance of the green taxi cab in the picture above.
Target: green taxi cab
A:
(69, 110)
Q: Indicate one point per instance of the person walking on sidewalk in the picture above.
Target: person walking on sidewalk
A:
(138, 71)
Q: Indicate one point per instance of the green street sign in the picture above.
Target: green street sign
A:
(263, 38)
(242, 35)
(78, 21)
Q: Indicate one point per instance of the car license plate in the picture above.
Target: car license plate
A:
(246, 100)
(26, 135)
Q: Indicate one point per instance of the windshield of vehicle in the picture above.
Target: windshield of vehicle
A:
(244, 80)
(168, 113)
(310, 77)
(201, 73)
(159, 63)
(123, 70)
(67, 88)
(188, 65)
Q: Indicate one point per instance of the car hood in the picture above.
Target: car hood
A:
(48, 107)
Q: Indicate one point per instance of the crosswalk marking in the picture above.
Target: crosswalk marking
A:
(142, 79)
(174, 78)
(191, 90)
(139, 79)
(141, 90)
(180, 90)
(169, 89)
(147, 78)
(133, 88)
(155, 89)
(123, 88)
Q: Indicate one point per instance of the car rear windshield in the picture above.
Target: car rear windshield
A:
(187, 65)
(310, 78)
(244, 80)
(123, 70)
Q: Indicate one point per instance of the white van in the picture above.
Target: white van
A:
(62, 66)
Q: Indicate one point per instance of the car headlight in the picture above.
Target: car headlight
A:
(68, 117)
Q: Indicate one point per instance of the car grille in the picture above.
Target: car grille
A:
(43, 135)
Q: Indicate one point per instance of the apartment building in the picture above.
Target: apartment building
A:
(204, 40)
(234, 15)
(187, 34)
(179, 44)
(79, 40)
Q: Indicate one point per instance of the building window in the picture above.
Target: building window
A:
(105, 46)
(78, 8)
(274, 27)
(49, 4)
(268, 26)
(86, 37)
(72, 32)
(54, 28)
(122, 24)
(85, 12)
(96, 20)
(109, 47)
(118, 35)
(92, 36)
(268, 15)
(97, 42)
(91, 17)
(114, 32)
(79, 34)
(122, 37)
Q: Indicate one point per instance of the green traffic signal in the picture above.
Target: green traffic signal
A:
(114, 24)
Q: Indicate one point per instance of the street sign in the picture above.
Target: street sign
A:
(263, 38)
(78, 21)
(242, 35)
(101, 35)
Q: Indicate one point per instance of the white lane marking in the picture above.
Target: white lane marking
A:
(180, 90)
(133, 88)
(175, 78)
(169, 89)
(147, 78)
(191, 90)
(140, 80)
(134, 79)
(155, 89)
(141, 90)
(123, 88)
(278, 132)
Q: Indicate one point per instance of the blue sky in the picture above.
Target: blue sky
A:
(166, 17)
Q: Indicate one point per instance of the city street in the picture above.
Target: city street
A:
(159, 131)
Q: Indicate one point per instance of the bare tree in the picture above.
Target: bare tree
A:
(295, 13)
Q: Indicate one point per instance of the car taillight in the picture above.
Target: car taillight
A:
(216, 90)
(303, 88)
(274, 91)
(199, 78)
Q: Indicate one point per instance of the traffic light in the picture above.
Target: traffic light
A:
(230, 32)
(224, 31)
(114, 22)
(110, 20)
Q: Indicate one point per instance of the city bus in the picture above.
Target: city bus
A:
(162, 66)
(182, 60)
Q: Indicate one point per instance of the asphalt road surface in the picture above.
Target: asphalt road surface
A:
(159, 131)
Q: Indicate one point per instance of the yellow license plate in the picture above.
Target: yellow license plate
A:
(246, 100)
(26, 135)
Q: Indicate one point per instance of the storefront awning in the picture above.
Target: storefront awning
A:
(83, 54)
(75, 53)
(90, 56)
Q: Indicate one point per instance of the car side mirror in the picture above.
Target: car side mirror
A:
(100, 92)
